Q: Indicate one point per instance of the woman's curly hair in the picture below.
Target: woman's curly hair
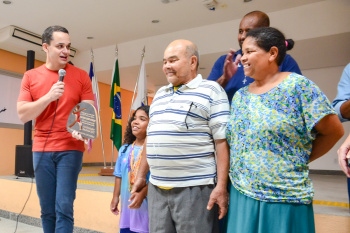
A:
(129, 138)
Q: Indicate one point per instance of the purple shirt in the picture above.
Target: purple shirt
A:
(134, 219)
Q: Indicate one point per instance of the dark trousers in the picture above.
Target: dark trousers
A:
(349, 189)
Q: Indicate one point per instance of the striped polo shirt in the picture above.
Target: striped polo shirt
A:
(181, 132)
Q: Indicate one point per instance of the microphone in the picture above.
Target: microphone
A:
(61, 73)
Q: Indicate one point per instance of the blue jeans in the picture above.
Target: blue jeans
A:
(56, 176)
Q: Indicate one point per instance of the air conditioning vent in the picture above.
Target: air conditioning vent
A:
(26, 36)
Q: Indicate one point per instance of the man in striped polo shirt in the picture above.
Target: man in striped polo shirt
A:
(187, 186)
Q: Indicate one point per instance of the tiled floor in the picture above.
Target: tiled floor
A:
(333, 189)
(7, 225)
(330, 198)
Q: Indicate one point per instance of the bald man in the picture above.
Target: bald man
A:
(187, 186)
(228, 71)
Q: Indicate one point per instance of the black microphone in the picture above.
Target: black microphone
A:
(61, 73)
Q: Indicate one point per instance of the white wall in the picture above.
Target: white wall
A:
(304, 22)
(9, 90)
(327, 79)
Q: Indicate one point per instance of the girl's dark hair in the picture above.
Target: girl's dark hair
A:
(129, 138)
(268, 37)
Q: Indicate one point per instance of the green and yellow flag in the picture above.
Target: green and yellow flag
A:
(115, 104)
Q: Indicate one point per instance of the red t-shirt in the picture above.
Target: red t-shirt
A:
(35, 84)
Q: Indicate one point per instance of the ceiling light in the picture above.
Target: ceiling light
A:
(210, 4)
(7, 2)
(167, 1)
(155, 21)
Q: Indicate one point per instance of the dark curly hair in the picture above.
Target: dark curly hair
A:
(129, 138)
(268, 37)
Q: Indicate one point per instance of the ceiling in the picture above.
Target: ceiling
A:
(320, 28)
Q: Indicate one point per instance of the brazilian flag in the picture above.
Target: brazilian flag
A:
(115, 104)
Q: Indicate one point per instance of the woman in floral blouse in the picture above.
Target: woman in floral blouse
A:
(278, 125)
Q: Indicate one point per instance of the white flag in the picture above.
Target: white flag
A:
(141, 98)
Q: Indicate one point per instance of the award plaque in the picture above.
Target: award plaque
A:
(83, 119)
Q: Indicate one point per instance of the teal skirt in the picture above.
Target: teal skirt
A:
(247, 215)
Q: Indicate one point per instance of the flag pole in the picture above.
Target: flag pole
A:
(116, 55)
(137, 81)
(98, 106)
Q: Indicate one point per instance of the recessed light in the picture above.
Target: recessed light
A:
(7, 2)
(167, 1)
(90, 37)
(155, 21)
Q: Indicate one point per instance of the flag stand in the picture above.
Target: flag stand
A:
(116, 54)
(109, 171)
(104, 170)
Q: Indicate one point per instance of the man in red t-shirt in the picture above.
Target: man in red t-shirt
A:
(57, 156)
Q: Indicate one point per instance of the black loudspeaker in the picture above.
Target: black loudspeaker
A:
(24, 161)
(28, 125)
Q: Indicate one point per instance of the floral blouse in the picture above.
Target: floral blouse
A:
(270, 137)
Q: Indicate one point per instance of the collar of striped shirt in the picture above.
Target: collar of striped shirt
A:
(194, 83)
